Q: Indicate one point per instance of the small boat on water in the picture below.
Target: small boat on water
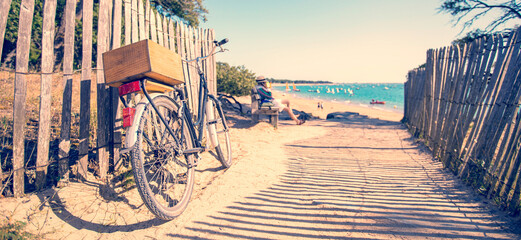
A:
(295, 88)
(377, 102)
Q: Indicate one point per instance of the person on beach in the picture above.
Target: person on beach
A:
(266, 96)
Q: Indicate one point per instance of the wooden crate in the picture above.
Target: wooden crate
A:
(142, 59)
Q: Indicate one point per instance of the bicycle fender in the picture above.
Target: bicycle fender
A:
(212, 133)
(132, 132)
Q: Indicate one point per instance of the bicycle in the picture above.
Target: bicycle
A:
(164, 140)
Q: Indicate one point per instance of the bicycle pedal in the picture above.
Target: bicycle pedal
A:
(193, 150)
(212, 121)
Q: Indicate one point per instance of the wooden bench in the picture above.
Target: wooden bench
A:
(258, 109)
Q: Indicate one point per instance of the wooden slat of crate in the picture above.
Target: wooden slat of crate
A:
(157, 87)
(142, 59)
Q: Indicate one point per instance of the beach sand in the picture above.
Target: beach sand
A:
(361, 178)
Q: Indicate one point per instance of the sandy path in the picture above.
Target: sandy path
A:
(359, 178)
(364, 179)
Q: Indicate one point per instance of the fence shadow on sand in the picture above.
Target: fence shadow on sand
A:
(365, 180)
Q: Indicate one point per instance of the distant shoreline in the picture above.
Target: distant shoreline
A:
(302, 84)
(391, 94)
(298, 84)
(310, 105)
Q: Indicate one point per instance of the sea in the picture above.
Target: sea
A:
(352, 93)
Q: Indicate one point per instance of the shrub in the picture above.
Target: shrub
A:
(237, 81)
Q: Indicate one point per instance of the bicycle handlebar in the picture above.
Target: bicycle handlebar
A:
(213, 52)
(222, 42)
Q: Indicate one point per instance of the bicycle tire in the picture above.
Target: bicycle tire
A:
(164, 181)
(219, 136)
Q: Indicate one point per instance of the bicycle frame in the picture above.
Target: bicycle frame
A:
(204, 96)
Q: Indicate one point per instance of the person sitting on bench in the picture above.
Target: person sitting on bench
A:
(266, 96)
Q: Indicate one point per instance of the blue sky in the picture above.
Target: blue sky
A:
(363, 41)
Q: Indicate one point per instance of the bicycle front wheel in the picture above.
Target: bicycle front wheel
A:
(163, 177)
(218, 132)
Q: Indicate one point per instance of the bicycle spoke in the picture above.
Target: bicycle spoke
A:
(150, 143)
(165, 133)
(154, 175)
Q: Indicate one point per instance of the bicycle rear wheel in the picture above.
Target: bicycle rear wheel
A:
(218, 132)
(164, 179)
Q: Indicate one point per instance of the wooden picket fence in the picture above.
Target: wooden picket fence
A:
(465, 103)
(140, 21)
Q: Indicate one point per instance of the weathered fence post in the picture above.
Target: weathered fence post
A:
(5, 5)
(159, 26)
(128, 24)
(68, 61)
(86, 67)
(153, 30)
(45, 92)
(171, 35)
(141, 15)
(213, 63)
(194, 78)
(165, 33)
(102, 92)
(116, 111)
(20, 89)
(4, 11)
(135, 31)
(147, 19)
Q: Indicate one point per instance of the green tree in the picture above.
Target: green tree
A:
(191, 11)
(234, 80)
(468, 12)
